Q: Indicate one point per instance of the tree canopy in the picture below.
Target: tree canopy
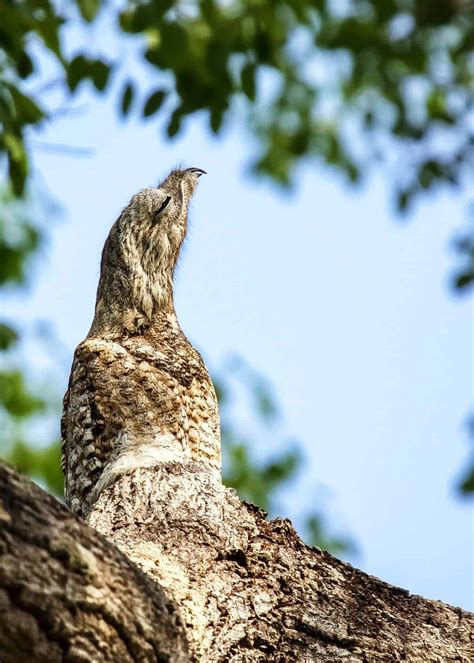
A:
(399, 71)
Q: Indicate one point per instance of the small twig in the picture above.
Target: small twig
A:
(63, 111)
(48, 86)
(65, 150)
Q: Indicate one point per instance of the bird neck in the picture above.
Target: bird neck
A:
(131, 306)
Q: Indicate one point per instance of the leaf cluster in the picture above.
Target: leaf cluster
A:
(26, 29)
(308, 75)
(306, 72)
(20, 402)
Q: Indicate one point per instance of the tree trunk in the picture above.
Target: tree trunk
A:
(66, 594)
(244, 588)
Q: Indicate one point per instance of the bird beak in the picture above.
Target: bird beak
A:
(196, 171)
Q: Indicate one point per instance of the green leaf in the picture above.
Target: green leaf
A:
(89, 9)
(265, 402)
(257, 481)
(99, 73)
(404, 199)
(77, 71)
(154, 56)
(15, 146)
(215, 120)
(153, 103)
(81, 68)
(467, 484)
(247, 77)
(436, 107)
(127, 98)
(8, 336)
(48, 29)
(15, 396)
(320, 5)
(13, 257)
(174, 44)
(43, 464)
(174, 124)
(143, 16)
(316, 534)
(24, 65)
(17, 163)
(27, 111)
(221, 390)
(464, 280)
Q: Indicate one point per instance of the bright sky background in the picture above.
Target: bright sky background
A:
(343, 306)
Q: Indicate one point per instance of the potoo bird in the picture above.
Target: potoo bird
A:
(139, 393)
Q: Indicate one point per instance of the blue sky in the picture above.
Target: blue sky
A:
(343, 306)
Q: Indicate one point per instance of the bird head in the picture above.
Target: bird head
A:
(156, 218)
(142, 249)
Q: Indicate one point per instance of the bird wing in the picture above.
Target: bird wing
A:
(120, 412)
(83, 443)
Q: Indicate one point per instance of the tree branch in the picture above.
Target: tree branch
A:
(247, 589)
(251, 590)
(66, 594)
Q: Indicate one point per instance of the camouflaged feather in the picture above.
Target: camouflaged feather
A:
(139, 393)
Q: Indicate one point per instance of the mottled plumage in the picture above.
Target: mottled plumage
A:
(139, 394)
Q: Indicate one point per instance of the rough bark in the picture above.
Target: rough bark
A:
(66, 594)
(251, 590)
(246, 589)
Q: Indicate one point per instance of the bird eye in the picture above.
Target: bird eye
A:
(162, 207)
